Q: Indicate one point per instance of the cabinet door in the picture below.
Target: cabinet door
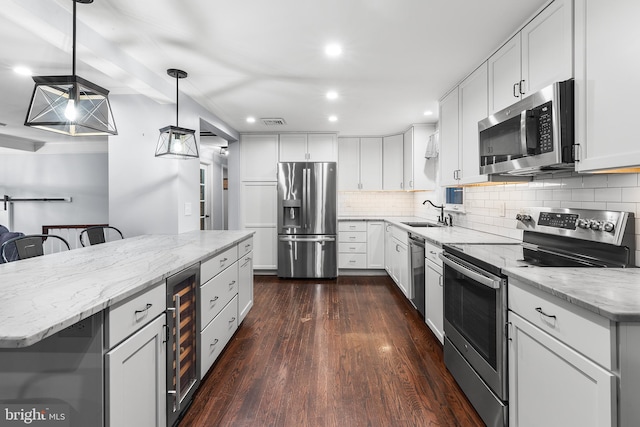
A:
(245, 288)
(407, 162)
(322, 147)
(258, 157)
(424, 170)
(552, 385)
(388, 248)
(265, 248)
(504, 75)
(607, 63)
(473, 108)
(434, 312)
(135, 379)
(371, 164)
(293, 147)
(348, 164)
(375, 244)
(401, 267)
(547, 47)
(392, 163)
(449, 134)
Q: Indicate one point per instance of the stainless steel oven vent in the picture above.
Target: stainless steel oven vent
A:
(273, 122)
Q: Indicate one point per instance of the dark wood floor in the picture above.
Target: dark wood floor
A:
(350, 352)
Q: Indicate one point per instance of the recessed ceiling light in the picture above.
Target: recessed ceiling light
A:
(333, 118)
(23, 71)
(251, 119)
(332, 94)
(428, 113)
(333, 50)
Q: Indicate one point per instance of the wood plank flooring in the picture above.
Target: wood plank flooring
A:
(346, 352)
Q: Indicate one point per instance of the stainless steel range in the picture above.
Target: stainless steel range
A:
(475, 290)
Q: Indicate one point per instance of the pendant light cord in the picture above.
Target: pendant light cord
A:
(73, 64)
(177, 98)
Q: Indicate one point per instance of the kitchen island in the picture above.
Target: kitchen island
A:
(83, 333)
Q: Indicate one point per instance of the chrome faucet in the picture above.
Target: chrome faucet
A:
(441, 218)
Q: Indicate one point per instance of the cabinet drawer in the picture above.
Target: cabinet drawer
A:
(352, 260)
(355, 247)
(216, 293)
(585, 331)
(216, 335)
(215, 265)
(352, 226)
(352, 236)
(124, 318)
(431, 252)
(245, 247)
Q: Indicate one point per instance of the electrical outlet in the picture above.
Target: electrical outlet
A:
(503, 209)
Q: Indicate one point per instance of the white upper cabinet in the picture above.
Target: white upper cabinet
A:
(293, 147)
(449, 137)
(419, 172)
(360, 164)
(607, 64)
(322, 147)
(312, 147)
(259, 157)
(540, 54)
(460, 112)
(392, 166)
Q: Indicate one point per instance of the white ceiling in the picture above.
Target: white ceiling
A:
(260, 58)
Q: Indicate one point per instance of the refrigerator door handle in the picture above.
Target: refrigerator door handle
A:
(304, 198)
(307, 195)
(307, 239)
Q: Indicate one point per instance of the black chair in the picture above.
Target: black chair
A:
(28, 246)
(97, 234)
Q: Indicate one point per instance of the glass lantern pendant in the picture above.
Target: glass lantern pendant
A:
(176, 142)
(70, 105)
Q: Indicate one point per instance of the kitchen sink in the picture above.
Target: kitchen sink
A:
(421, 224)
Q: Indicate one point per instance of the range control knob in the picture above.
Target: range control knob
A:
(582, 223)
(595, 225)
(609, 226)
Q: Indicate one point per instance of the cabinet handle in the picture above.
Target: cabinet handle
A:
(520, 86)
(213, 343)
(433, 252)
(440, 281)
(223, 260)
(516, 94)
(233, 319)
(410, 184)
(551, 316)
(247, 246)
(231, 284)
(397, 248)
(402, 185)
(144, 311)
(211, 301)
(246, 261)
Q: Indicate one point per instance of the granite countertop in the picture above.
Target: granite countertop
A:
(610, 292)
(43, 295)
(437, 235)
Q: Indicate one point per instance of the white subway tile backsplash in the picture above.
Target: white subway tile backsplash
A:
(572, 182)
(582, 194)
(594, 181)
(631, 194)
(622, 180)
(608, 194)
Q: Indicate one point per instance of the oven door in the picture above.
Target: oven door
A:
(475, 307)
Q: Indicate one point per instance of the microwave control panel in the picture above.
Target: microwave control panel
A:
(545, 128)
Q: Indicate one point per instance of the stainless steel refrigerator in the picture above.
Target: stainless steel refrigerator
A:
(307, 221)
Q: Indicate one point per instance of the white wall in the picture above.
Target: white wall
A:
(81, 176)
(149, 195)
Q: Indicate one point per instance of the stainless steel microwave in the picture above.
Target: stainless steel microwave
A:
(536, 134)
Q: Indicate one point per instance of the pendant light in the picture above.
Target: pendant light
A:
(176, 142)
(70, 105)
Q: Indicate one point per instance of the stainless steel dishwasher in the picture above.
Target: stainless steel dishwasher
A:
(416, 248)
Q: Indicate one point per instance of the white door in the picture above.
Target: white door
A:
(348, 164)
(434, 297)
(371, 164)
(473, 108)
(293, 147)
(245, 287)
(135, 377)
(375, 244)
(322, 147)
(504, 75)
(449, 134)
(407, 163)
(551, 384)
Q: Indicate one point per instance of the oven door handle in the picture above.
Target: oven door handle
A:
(462, 269)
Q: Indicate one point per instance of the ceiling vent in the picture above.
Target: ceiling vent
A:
(273, 122)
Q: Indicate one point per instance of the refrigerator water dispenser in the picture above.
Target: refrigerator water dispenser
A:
(292, 215)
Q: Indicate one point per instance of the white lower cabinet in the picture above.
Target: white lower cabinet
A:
(561, 362)
(551, 384)
(434, 291)
(361, 245)
(135, 379)
(216, 334)
(245, 285)
(375, 244)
